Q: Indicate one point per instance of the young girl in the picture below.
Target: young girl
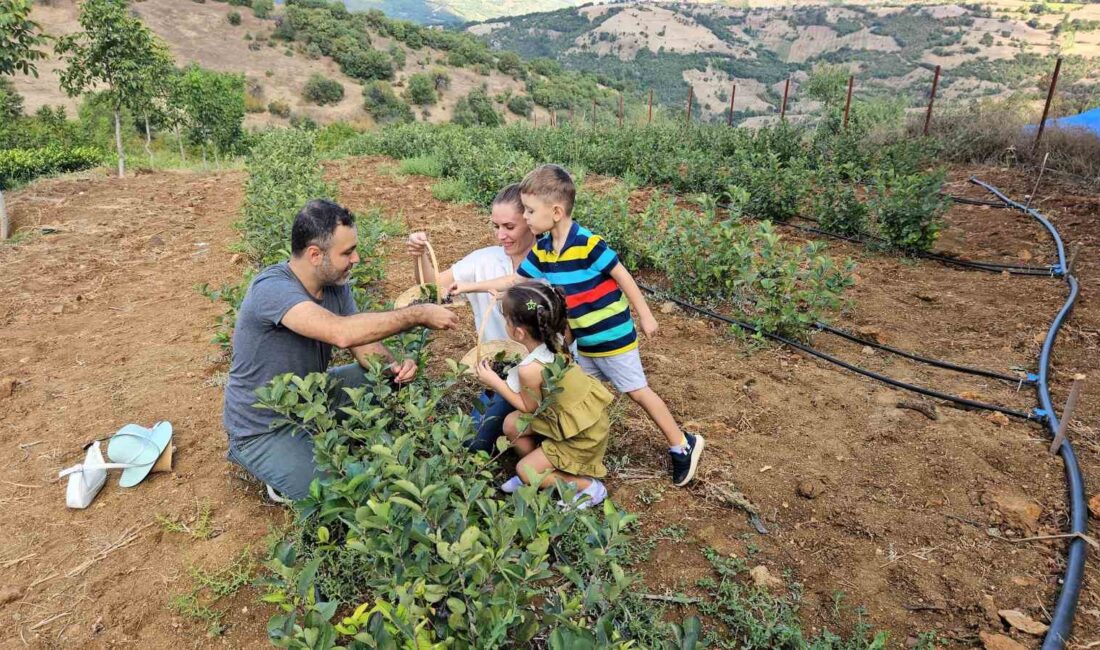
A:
(567, 440)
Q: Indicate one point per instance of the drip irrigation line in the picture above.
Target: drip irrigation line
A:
(1060, 269)
(991, 267)
(969, 201)
(1061, 622)
(848, 366)
(947, 365)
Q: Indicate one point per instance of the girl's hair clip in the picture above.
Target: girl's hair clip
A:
(532, 305)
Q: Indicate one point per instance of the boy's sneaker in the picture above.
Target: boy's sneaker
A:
(684, 463)
(511, 485)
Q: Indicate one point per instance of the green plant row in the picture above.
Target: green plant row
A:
(781, 168)
(19, 166)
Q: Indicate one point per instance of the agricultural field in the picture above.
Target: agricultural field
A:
(886, 514)
(876, 342)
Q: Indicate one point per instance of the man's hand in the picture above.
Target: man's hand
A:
(404, 371)
(436, 317)
(649, 324)
(417, 244)
(488, 377)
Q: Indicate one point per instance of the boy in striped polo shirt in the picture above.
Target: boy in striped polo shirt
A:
(599, 293)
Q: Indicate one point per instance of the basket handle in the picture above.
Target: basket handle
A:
(484, 323)
(420, 276)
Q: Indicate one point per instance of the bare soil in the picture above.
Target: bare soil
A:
(102, 326)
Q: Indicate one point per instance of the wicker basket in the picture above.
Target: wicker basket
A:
(413, 293)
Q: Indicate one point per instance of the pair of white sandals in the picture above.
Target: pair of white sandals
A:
(134, 449)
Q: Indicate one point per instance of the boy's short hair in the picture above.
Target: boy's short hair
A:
(553, 184)
(509, 196)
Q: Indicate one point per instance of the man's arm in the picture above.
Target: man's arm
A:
(314, 321)
(630, 288)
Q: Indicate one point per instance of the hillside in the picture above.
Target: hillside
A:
(985, 49)
(276, 70)
(452, 12)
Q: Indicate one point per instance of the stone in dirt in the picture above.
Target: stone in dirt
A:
(999, 642)
(926, 296)
(10, 595)
(810, 488)
(763, 578)
(998, 418)
(156, 241)
(7, 387)
(871, 332)
(668, 307)
(1020, 512)
(1022, 622)
(1094, 501)
(868, 350)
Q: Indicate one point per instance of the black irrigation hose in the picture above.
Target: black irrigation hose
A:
(1012, 379)
(970, 201)
(844, 364)
(991, 267)
(1060, 268)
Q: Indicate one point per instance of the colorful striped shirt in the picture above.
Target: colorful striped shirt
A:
(598, 312)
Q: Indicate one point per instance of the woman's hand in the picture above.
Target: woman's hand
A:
(417, 244)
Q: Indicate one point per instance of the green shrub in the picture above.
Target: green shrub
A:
(321, 90)
(408, 523)
(234, 18)
(422, 166)
(775, 189)
(278, 108)
(263, 8)
(521, 105)
(476, 109)
(383, 105)
(284, 173)
(19, 166)
(452, 190)
(420, 90)
(908, 209)
(838, 208)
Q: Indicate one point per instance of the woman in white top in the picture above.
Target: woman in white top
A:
(491, 262)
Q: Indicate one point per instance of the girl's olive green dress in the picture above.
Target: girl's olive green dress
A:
(575, 426)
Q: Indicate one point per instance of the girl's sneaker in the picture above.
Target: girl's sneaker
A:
(596, 492)
(511, 485)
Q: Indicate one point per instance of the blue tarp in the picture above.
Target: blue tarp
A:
(1089, 120)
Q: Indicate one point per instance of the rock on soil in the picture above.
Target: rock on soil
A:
(1019, 511)
(999, 642)
(1094, 502)
(1022, 622)
(10, 595)
(763, 578)
(7, 387)
(810, 488)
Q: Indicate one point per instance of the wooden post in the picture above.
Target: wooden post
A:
(691, 96)
(848, 102)
(932, 100)
(571, 110)
(620, 110)
(5, 223)
(1067, 413)
(786, 92)
(1050, 97)
(593, 111)
(733, 94)
(650, 119)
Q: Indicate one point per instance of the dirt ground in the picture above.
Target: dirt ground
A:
(102, 326)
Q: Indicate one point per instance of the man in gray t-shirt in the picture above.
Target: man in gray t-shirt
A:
(291, 317)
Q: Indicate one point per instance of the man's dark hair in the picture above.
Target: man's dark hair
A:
(315, 224)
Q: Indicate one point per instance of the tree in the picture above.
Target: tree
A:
(476, 109)
(113, 52)
(20, 38)
(828, 84)
(263, 8)
(321, 90)
(213, 103)
(420, 89)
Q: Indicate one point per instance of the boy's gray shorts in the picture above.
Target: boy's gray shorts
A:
(624, 371)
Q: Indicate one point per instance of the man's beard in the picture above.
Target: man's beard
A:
(330, 276)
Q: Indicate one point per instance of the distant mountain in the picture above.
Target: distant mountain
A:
(987, 49)
(451, 12)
